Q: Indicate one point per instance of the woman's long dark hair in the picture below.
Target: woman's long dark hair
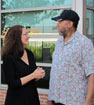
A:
(12, 42)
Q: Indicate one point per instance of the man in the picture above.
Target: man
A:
(72, 73)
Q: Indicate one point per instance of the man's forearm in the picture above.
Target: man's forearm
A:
(90, 90)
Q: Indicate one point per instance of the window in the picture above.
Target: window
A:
(90, 3)
(90, 22)
(43, 33)
(42, 50)
(36, 17)
(17, 4)
(44, 83)
(36, 21)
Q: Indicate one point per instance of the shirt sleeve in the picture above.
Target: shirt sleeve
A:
(88, 57)
(9, 71)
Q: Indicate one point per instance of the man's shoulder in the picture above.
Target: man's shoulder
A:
(83, 38)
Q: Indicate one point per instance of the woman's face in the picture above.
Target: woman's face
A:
(25, 37)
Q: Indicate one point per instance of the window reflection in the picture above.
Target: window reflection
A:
(37, 21)
(90, 22)
(17, 4)
(90, 2)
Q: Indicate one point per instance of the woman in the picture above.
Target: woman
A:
(20, 68)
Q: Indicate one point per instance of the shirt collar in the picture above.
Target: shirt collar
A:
(71, 39)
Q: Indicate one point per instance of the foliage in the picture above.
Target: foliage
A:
(36, 48)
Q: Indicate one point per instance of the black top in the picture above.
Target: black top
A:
(14, 69)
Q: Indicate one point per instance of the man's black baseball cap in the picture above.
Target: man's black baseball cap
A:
(67, 15)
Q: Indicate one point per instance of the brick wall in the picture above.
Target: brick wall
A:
(43, 97)
(2, 96)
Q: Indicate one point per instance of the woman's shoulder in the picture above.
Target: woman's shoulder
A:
(29, 52)
(8, 57)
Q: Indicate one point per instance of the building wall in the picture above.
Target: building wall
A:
(2, 96)
(43, 97)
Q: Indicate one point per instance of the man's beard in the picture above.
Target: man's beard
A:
(63, 33)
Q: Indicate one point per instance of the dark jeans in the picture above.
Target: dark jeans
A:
(57, 103)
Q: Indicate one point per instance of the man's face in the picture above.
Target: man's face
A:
(64, 27)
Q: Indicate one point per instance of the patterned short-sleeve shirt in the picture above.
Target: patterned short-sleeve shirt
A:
(72, 63)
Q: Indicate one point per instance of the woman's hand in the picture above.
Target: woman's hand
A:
(39, 73)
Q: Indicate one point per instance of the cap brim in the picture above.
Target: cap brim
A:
(57, 18)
